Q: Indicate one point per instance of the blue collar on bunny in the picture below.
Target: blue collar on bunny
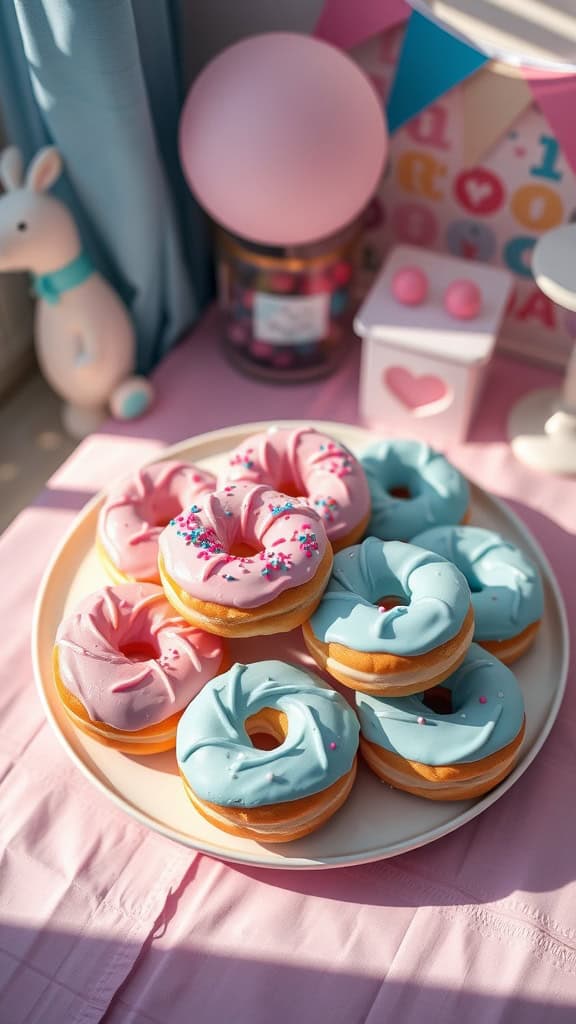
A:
(51, 286)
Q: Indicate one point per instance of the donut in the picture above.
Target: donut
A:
(452, 743)
(302, 462)
(394, 619)
(267, 751)
(507, 595)
(136, 511)
(247, 562)
(412, 488)
(125, 667)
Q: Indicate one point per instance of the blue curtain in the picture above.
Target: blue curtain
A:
(101, 80)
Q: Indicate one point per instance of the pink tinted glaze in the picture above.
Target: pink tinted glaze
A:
(325, 473)
(132, 695)
(196, 545)
(127, 526)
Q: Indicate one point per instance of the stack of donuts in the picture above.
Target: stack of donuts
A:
(411, 615)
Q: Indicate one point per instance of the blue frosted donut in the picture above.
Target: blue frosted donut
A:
(454, 755)
(393, 618)
(265, 793)
(412, 488)
(507, 594)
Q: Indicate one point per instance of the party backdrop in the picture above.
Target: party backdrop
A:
(445, 191)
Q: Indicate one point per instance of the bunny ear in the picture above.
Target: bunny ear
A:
(11, 168)
(44, 169)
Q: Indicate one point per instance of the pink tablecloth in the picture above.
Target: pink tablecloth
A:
(102, 920)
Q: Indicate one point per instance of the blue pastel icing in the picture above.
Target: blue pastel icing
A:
(439, 493)
(437, 594)
(507, 594)
(475, 729)
(216, 756)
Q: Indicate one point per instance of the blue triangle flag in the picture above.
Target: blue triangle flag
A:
(431, 62)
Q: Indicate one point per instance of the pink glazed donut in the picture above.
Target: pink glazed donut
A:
(137, 510)
(306, 464)
(247, 561)
(126, 666)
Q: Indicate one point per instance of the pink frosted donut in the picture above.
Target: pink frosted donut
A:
(245, 562)
(305, 463)
(126, 666)
(137, 510)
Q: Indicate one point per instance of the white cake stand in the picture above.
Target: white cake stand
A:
(542, 426)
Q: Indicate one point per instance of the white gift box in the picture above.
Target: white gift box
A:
(422, 369)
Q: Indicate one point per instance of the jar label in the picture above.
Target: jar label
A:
(290, 319)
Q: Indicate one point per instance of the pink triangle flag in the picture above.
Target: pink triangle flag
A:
(555, 94)
(346, 23)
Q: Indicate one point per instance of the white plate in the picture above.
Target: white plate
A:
(376, 821)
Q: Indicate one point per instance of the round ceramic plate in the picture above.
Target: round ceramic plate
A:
(376, 821)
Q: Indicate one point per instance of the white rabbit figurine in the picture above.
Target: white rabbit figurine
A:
(84, 337)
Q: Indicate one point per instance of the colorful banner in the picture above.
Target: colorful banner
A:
(556, 97)
(347, 23)
(491, 102)
(494, 211)
(431, 63)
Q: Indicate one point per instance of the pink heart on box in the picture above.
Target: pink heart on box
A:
(418, 394)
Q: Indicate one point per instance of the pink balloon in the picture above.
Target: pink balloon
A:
(283, 139)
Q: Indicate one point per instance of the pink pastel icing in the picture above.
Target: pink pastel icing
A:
(289, 540)
(115, 688)
(325, 473)
(137, 510)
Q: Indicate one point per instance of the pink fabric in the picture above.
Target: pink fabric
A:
(102, 920)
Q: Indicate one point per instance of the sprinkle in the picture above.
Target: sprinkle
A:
(277, 510)
(270, 776)
(352, 554)
(381, 609)
(307, 541)
(228, 512)
(421, 720)
(500, 694)
(483, 700)
(229, 578)
(332, 745)
(463, 715)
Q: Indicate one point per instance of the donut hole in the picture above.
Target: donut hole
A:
(267, 729)
(289, 487)
(475, 586)
(391, 601)
(404, 483)
(139, 650)
(162, 514)
(163, 520)
(439, 700)
(239, 549)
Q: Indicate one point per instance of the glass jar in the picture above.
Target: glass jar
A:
(287, 314)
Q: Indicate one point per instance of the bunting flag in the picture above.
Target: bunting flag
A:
(431, 62)
(556, 97)
(491, 101)
(346, 23)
